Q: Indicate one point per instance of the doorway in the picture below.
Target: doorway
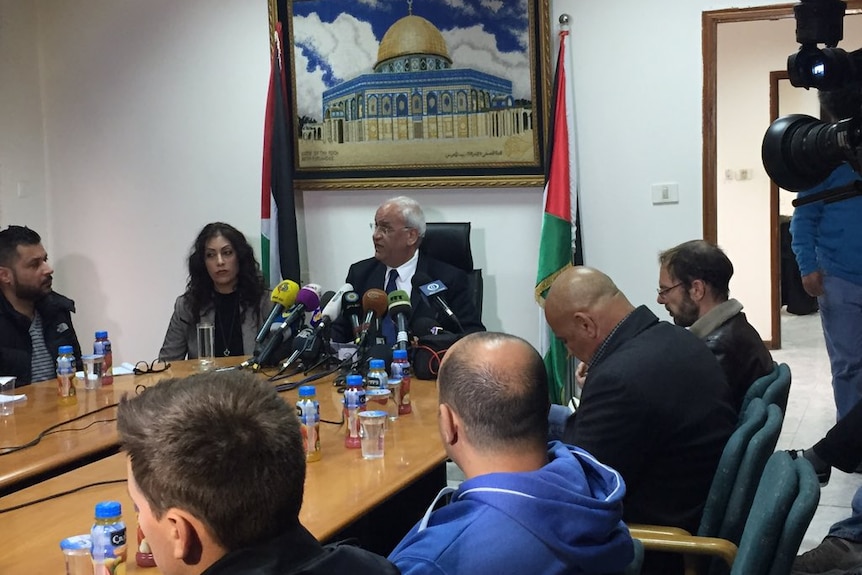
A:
(751, 234)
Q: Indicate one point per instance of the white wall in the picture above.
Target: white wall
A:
(153, 115)
(22, 153)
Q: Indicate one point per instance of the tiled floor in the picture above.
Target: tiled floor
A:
(810, 413)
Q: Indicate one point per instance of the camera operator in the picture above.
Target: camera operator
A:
(827, 242)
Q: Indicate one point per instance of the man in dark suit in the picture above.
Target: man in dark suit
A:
(655, 405)
(398, 229)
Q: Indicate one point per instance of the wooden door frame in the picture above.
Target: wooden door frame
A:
(710, 21)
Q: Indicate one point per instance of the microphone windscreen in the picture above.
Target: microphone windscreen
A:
(308, 298)
(399, 302)
(350, 303)
(285, 293)
(375, 300)
(326, 298)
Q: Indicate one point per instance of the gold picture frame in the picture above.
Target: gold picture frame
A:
(409, 95)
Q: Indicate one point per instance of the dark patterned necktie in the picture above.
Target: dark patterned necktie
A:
(387, 326)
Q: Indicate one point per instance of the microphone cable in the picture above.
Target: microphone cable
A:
(54, 429)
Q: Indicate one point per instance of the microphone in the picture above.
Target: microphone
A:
(332, 310)
(306, 299)
(434, 290)
(351, 308)
(400, 310)
(317, 315)
(284, 330)
(375, 302)
(305, 344)
(283, 296)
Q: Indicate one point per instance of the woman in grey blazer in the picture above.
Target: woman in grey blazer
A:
(225, 288)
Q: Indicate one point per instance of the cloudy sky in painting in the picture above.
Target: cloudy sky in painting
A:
(337, 40)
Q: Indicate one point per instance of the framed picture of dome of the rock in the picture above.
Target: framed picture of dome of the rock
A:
(417, 93)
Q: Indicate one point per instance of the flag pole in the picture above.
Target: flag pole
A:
(570, 390)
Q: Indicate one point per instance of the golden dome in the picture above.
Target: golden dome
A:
(412, 35)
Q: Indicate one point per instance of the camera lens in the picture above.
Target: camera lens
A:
(799, 151)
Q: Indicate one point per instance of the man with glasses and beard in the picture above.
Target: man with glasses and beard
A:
(693, 287)
(34, 319)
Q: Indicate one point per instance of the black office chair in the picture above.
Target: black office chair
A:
(450, 242)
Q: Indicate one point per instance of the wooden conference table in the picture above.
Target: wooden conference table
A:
(87, 438)
(340, 489)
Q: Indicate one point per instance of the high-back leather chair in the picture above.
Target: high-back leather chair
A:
(449, 242)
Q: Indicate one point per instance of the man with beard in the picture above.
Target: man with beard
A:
(34, 320)
(693, 287)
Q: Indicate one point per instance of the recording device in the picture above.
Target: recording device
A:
(306, 345)
(400, 310)
(283, 296)
(351, 308)
(375, 302)
(284, 331)
(434, 290)
(799, 151)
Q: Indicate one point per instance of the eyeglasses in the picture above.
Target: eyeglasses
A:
(664, 291)
(385, 229)
(155, 366)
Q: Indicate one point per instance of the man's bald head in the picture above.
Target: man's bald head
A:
(498, 385)
(582, 307)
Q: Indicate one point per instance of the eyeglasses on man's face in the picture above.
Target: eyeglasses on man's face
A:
(662, 292)
(385, 229)
(155, 366)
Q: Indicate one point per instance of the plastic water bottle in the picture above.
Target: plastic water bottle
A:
(102, 346)
(309, 415)
(109, 539)
(66, 392)
(376, 376)
(400, 368)
(354, 402)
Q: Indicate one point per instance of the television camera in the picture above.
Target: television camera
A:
(800, 151)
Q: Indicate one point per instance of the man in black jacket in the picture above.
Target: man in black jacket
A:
(216, 469)
(654, 406)
(34, 320)
(398, 229)
(694, 288)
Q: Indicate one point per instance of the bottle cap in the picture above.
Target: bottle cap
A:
(377, 364)
(399, 354)
(354, 380)
(65, 349)
(307, 391)
(108, 509)
(101, 335)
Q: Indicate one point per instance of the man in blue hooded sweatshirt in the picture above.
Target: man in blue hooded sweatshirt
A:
(527, 506)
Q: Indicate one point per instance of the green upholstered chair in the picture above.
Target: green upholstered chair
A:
(778, 391)
(784, 504)
(758, 388)
(734, 484)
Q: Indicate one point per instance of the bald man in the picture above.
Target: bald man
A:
(527, 506)
(655, 405)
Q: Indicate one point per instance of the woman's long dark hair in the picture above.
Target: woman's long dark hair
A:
(250, 285)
